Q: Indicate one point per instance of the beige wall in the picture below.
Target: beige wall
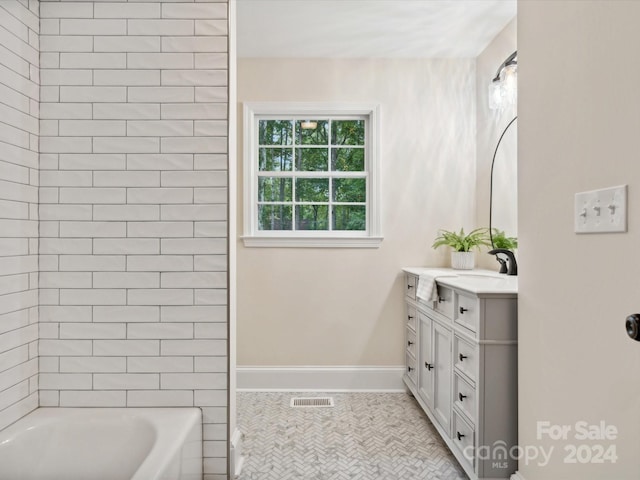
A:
(490, 124)
(344, 306)
(578, 130)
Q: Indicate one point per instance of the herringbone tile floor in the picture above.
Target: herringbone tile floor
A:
(366, 436)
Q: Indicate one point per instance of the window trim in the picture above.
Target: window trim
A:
(371, 238)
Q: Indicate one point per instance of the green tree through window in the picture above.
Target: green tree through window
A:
(312, 174)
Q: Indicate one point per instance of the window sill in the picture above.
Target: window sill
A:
(316, 242)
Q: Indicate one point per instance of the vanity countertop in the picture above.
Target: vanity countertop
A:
(475, 281)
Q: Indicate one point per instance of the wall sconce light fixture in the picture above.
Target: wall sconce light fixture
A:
(503, 90)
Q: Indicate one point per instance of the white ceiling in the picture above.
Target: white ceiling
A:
(369, 28)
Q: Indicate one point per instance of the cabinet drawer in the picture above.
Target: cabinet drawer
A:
(464, 397)
(411, 342)
(412, 315)
(411, 368)
(444, 305)
(465, 358)
(410, 284)
(464, 438)
(467, 312)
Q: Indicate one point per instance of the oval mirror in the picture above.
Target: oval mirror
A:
(503, 208)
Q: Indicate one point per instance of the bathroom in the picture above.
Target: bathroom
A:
(324, 319)
(115, 289)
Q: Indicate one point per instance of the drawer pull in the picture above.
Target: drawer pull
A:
(428, 366)
(462, 310)
(409, 343)
(461, 396)
(440, 299)
(409, 369)
(460, 435)
(462, 357)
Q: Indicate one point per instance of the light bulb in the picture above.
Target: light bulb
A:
(496, 93)
(510, 82)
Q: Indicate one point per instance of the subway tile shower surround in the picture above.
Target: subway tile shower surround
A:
(19, 103)
(130, 199)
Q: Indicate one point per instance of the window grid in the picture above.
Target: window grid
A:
(330, 174)
(359, 215)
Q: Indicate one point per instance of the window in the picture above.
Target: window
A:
(311, 175)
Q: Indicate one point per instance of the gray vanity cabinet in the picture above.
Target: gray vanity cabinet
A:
(462, 369)
(435, 368)
(425, 367)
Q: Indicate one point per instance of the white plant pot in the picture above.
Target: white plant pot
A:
(463, 260)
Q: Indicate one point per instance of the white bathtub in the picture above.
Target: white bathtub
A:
(103, 444)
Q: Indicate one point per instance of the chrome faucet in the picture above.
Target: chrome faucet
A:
(512, 268)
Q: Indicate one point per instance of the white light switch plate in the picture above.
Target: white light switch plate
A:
(600, 211)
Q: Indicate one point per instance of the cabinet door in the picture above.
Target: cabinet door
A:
(442, 381)
(426, 367)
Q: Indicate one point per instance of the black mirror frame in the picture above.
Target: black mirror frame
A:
(493, 160)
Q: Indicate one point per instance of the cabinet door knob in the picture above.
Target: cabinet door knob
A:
(440, 299)
(409, 287)
(409, 369)
(462, 310)
(632, 325)
(460, 435)
(429, 366)
(461, 396)
(409, 343)
(409, 317)
(462, 357)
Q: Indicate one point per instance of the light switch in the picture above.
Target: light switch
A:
(599, 211)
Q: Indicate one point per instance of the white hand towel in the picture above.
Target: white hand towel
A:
(427, 290)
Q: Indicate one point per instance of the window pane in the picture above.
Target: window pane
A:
(312, 217)
(274, 189)
(347, 132)
(350, 190)
(274, 217)
(349, 217)
(347, 159)
(312, 189)
(312, 159)
(275, 132)
(275, 159)
(317, 133)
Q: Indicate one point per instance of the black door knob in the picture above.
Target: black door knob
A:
(462, 310)
(460, 435)
(428, 366)
(632, 325)
(461, 396)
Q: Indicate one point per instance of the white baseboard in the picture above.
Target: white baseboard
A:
(320, 379)
(236, 460)
(517, 476)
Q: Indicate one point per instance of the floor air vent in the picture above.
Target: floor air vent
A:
(313, 402)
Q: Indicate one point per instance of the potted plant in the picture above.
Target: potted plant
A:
(500, 240)
(462, 258)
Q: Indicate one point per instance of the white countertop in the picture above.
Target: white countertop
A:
(473, 281)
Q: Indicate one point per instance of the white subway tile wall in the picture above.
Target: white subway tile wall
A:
(19, 97)
(133, 210)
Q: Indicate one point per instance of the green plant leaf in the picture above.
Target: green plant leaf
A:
(500, 240)
(461, 242)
